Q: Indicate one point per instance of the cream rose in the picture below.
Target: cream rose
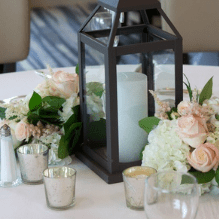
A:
(61, 84)
(65, 83)
(184, 107)
(22, 131)
(192, 130)
(204, 157)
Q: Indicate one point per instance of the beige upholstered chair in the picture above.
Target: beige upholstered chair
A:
(197, 22)
(14, 33)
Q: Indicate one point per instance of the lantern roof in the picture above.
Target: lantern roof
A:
(129, 5)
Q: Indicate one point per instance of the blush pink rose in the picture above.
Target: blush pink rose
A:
(64, 83)
(204, 157)
(22, 131)
(192, 130)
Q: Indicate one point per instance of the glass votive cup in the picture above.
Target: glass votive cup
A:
(59, 183)
(171, 194)
(33, 160)
(134, 182)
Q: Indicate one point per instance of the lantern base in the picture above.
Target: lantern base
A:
(100, 171)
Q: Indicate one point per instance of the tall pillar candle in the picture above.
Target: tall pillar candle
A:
(132, 107)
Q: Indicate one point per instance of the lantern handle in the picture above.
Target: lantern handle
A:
(114, 29)
(144, 16)
(89, 18)
(162, 13)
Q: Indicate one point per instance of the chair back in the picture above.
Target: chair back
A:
(14, 30)
(197, 21)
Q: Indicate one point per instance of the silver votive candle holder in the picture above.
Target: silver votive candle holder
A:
(59, 183)
(134, 183)
(33, 160)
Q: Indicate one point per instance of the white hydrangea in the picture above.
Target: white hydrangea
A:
(165, 150)
(213, 103)
(67, 107)
(52, 141)
(213, 137)
(18, 109)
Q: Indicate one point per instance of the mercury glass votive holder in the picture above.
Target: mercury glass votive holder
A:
(134, 183)
(59, 183)
(33, 160)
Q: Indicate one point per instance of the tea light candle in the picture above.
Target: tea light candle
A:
(132, 107)
(59, 185)
(134, 180)
(33, 160)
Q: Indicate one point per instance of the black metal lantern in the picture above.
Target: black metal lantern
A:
(118, 66)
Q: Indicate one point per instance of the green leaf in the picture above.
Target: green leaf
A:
(45, 113)
(73, 133)
(12, 117)
(217, 176)
(149, 123)
(63, 148)
(45, 116)
(203, 177)
(189, 90)
(188, 87)
(2, 112)
(97, 132)
(187, 80)
(206, 91)
(54, 102)
(68, 134)
(173, 109)
(75, 117)
(33, 118)
(76, 139)
(95, 88)
(217, 116)
(77, 69)
(35, 101)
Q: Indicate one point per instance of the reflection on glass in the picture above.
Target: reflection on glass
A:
(95, 100)
(101, 21)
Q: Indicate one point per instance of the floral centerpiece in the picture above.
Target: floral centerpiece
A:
(50, 114)
(185, 138)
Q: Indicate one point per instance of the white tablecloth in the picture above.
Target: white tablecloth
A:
(95, 199)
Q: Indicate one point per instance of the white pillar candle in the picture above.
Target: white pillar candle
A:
(132, 107)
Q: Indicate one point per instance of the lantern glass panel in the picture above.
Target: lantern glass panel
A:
(132, 96)
(164, 77)
(94, 99)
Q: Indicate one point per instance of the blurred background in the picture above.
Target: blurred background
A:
(53, 35)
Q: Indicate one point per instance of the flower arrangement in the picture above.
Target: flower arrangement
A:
(185, 138)
(50, 114)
